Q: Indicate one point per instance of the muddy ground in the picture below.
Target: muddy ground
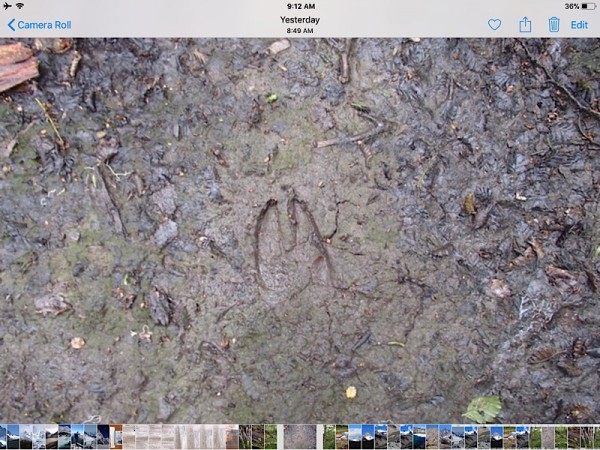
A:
(223, 264)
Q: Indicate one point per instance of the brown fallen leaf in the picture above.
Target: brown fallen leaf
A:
(556, 272)
(543, 355)
(578, 348)
(579, 413)
(525, 258)
(469, 204)
(500, 288)
(201, 56)
(54, 45)
(537, 247)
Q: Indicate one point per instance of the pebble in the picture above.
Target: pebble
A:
(77, 343)
(74, 235)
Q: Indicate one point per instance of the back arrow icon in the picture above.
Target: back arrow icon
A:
(10, 25)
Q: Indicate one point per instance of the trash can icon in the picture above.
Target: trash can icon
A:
(553, 24)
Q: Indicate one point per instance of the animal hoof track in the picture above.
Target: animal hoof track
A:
(289, 250)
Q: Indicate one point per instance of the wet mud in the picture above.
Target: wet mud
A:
(238, 234)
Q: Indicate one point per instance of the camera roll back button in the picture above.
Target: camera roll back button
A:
(39, 25)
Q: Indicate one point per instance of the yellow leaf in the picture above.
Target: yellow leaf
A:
(351, 392)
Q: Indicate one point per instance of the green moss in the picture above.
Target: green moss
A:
(290, 157)
(588, 60)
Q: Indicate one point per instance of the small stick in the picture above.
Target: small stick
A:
(586, 135)
(345, 67)
(111, 202)
(380, 127)
(344, 52)
(49, 119)
(362, 340)
(118, 175)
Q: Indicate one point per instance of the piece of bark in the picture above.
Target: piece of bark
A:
(14, 53)
(17, 64)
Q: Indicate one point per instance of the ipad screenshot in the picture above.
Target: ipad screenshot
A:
(328, 224)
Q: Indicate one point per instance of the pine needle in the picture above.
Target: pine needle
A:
(49, 119)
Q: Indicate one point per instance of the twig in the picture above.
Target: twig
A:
(562, 87)
(117, 175)
(14, 142)
(49, 119)
(344, 51)
(345, 67)
(225, 311)
(111, 202)
(380, 127)
(362, 340)
(586, 136)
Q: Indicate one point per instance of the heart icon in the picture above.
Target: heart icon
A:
(494, 24)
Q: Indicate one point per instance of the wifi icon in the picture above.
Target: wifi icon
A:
(19, 5)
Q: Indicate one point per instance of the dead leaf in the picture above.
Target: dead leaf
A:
(350, 392)
(537, 247)
(543, 355)
(469, 204)
(523, 259)
(201, 56)
(556, 272)
(500, 288)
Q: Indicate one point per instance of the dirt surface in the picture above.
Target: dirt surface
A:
(221, 260)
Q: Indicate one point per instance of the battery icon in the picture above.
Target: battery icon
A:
(588, 6)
